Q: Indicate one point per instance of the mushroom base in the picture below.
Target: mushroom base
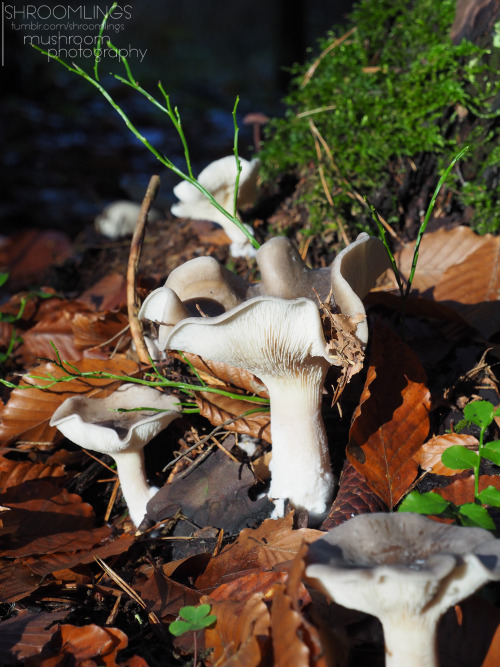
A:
(300, 465)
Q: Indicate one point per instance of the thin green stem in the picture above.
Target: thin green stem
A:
(97, 50)
(428, 214)
(235, 151)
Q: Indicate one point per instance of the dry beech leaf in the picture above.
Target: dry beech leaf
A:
(219, 409)
(273, 542)
(16, 582)
(288, 648)
(28, 411)
(79, 645)
(109, 293)
(24, 635)
(13, 473)
(428, 456)
(461, 490)
(241, 634)
(353, 497)
(392, 419)
(473, 288)
(238, 377)
(95, 329)
(438, 251)
(163, 595)
(95, 542)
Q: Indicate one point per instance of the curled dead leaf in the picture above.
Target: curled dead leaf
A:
(428, 456)
(220, 409)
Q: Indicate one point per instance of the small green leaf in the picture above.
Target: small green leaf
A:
(475, 515)
(178, 628)
(461, 425)
(458, 457)
(194, 618)
(3, 278)
(479, 413)
(491, 451)
(490, 496)
(424, 503)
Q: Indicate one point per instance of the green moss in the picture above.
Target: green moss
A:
(393, 91)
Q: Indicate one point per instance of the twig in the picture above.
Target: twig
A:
(132, 270)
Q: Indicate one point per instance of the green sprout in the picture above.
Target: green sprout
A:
(457, 457)
(11, 319)
(405, 291)
(192, 619)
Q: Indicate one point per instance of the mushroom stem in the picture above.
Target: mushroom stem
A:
(135, 488)
(300, 445)
(410, 641)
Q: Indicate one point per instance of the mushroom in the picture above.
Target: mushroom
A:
(201, 284)
(120, 218)
(257, 120)
(93, 424)
(405, 569)
(281, 341)
(219, 178)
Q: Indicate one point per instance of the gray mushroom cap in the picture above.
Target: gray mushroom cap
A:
(94, 424)
(405, 569)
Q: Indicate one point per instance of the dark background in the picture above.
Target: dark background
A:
(66, 153)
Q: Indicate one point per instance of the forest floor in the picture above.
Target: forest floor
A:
(79, 585)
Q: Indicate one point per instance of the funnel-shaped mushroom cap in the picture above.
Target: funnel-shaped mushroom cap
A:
(219, 178)
(266, 335)
(281, 341)
(205, 278)
(354, 273)
(93, 423)
(405, 569)
(285, 274)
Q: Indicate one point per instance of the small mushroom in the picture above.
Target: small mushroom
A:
(120, 218)
(219, 178)
(281, 341)
(405, 569)
(257, 120)
(93, 423)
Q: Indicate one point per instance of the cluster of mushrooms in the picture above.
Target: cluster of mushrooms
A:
(403, 568)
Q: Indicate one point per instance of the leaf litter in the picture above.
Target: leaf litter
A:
(209, 539)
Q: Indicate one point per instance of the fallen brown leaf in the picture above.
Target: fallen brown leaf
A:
(29, 410)
(272, 543)
(219, 409)
(428, 456)
(392, 419)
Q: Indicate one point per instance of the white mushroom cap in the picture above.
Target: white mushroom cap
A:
(206, 278)
(354, 273)
(281, 341)
(92, 423)
(219, 178)
(285, 274)
(164, 307)
(201, 283)
(405, 569)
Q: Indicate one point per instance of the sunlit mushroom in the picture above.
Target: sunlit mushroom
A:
(281, 341)
(405, 569)
(219, 178)
(93, 423)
